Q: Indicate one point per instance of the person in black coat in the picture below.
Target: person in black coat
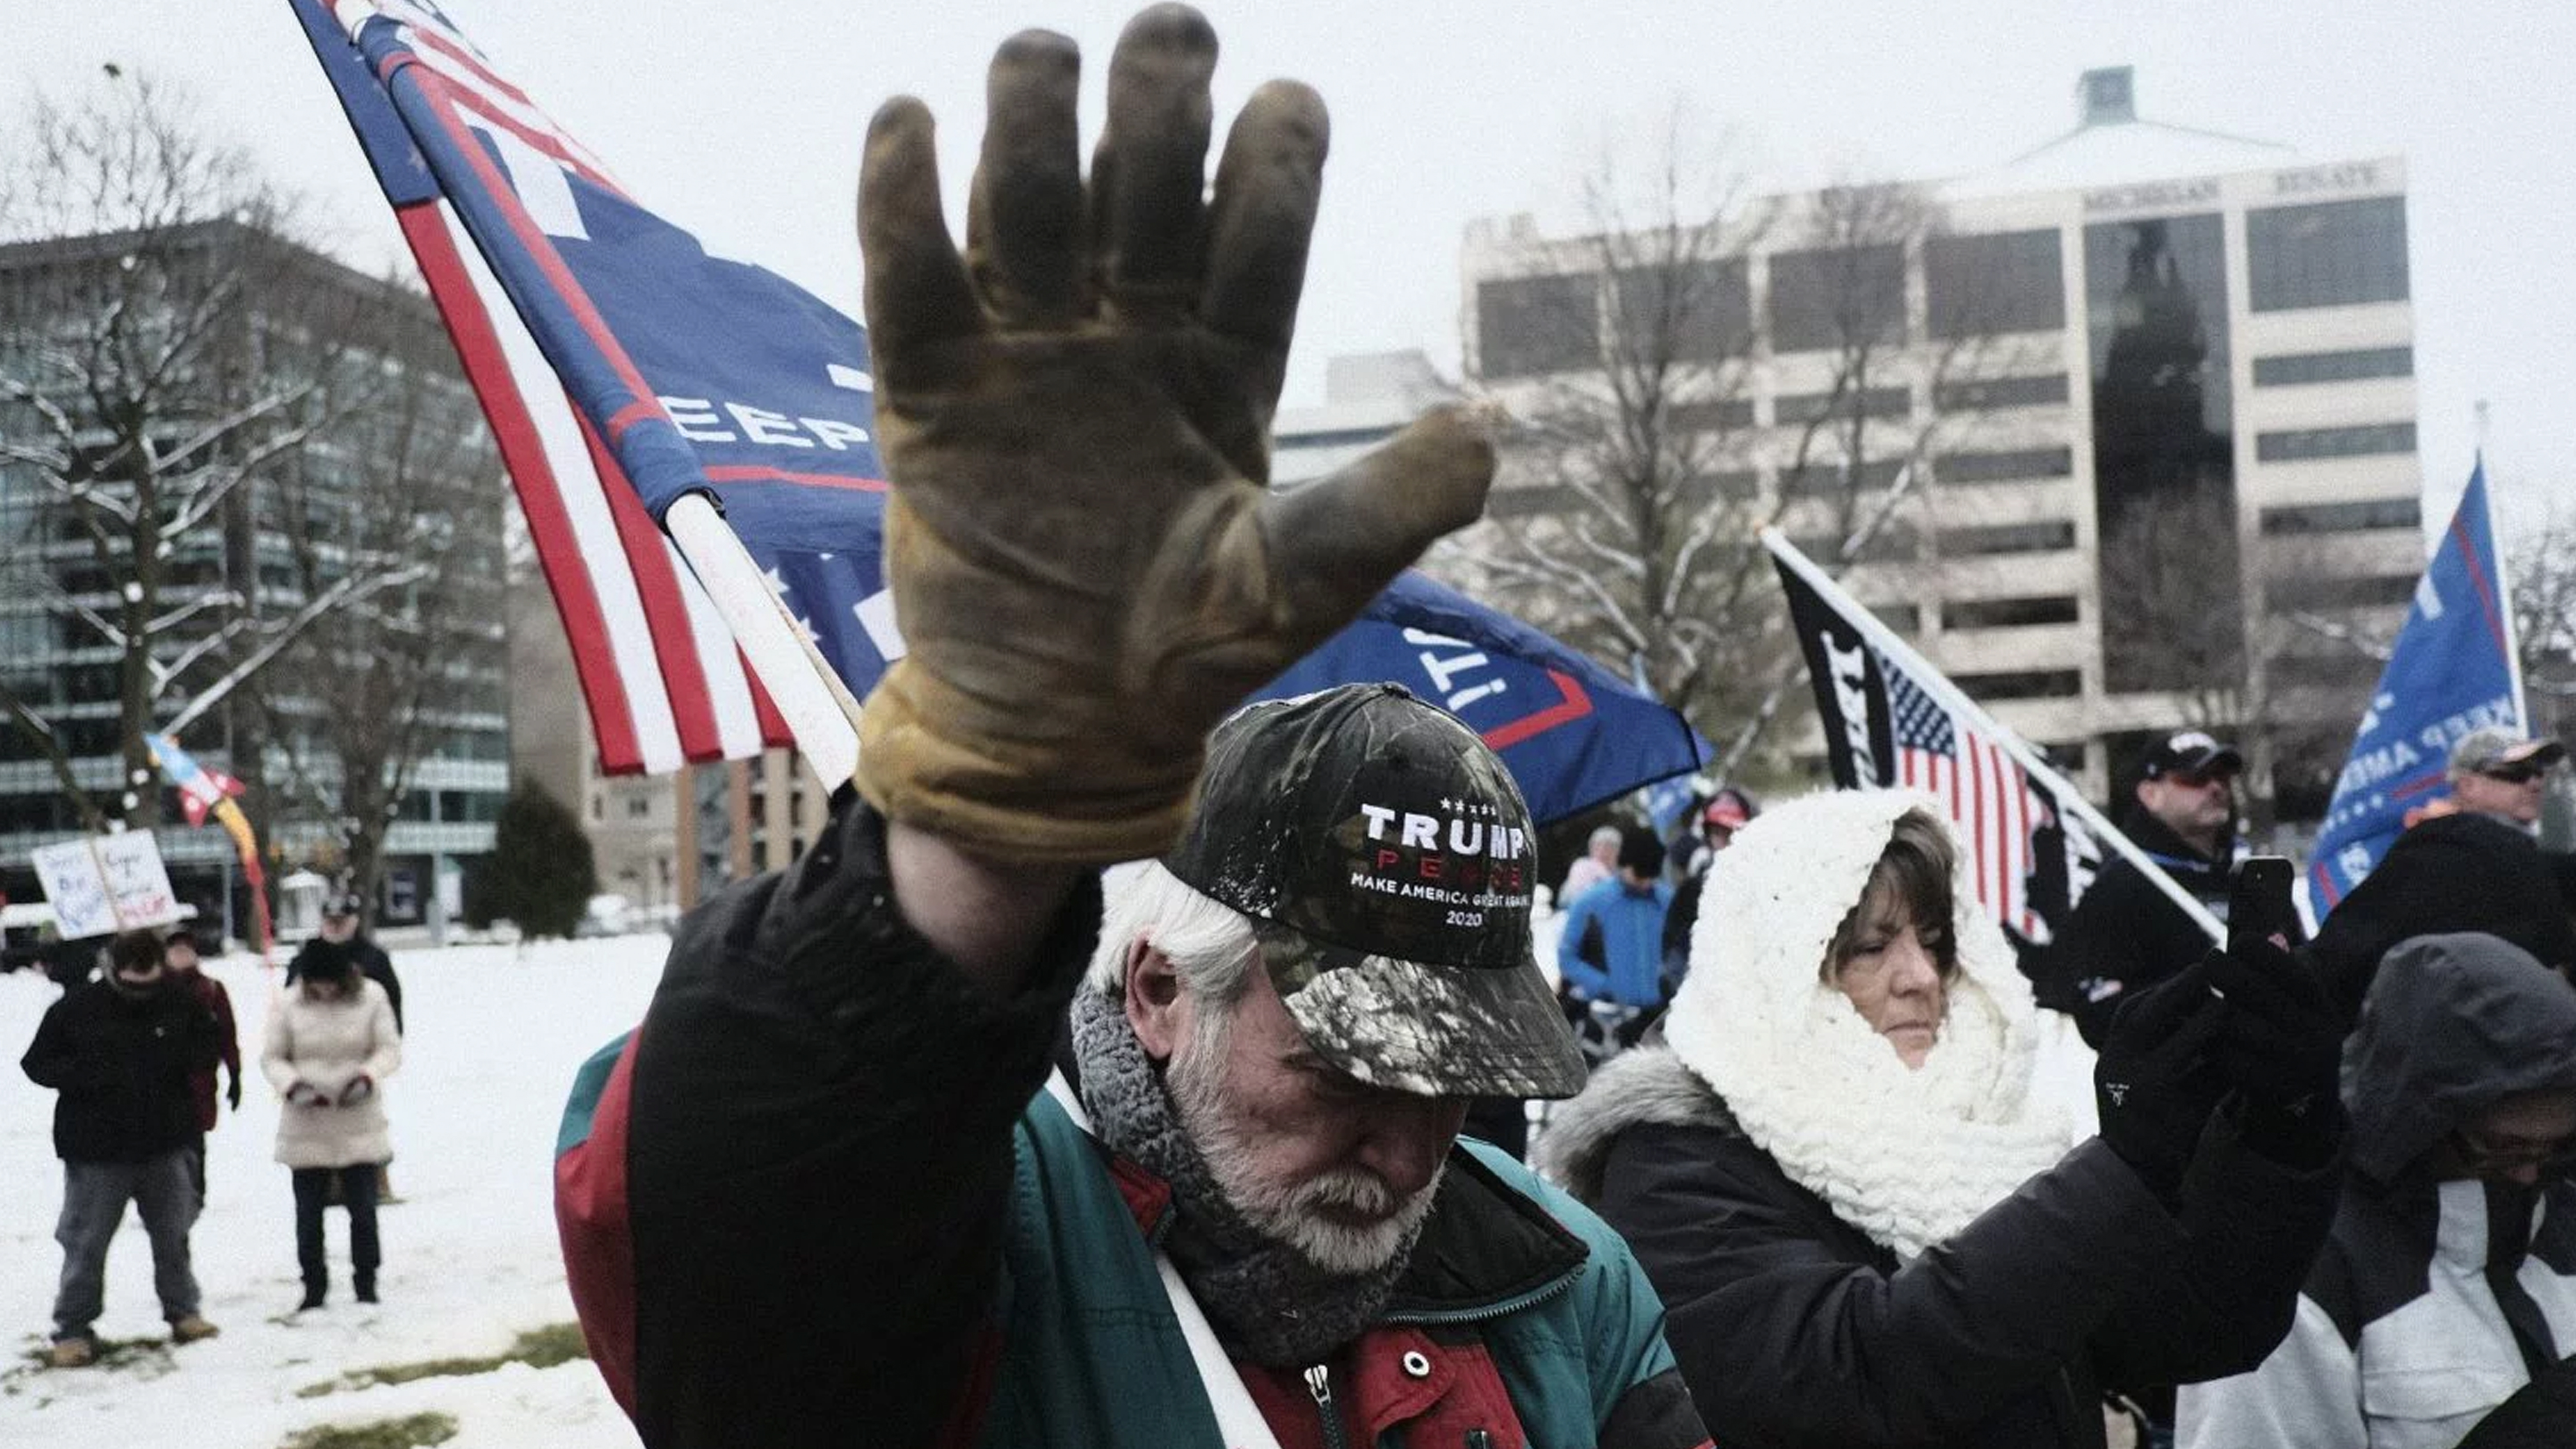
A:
(342, 926)
(119, 1052)
(2469, 864)
(2126, 934)
(1874, 1216)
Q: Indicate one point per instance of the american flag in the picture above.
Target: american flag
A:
(1890, 719)
(624, 369)
(1988, 794)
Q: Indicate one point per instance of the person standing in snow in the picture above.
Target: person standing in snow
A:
(1868, 1222)
(1609, 948)
(179, 957)
(330, 1044)
(119, 1051)
(2450, 1279)
(826, 1193)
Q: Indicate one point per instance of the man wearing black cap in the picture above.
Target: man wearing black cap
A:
(343, 924)
(831, 1191)
(2126, 934)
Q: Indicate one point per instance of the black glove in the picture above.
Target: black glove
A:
(232, 1094)
(2280, 1044)
(2156, 1080)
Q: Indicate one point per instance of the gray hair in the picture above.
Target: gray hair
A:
(1211, 945)
(1606, 835)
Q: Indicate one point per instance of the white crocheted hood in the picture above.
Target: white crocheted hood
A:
(1907, 1156)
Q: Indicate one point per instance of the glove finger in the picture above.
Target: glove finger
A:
(1150, 169)
(2146, 1017)
(1260, 224)
(917, 292)
(1336, 542)
(2268, 979)
(2193, 1037)
(1024, 212)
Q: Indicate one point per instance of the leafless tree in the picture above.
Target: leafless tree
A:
(1643, 466)
(156, 359)
(396, 492)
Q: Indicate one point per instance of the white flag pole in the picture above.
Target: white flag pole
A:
(816, 704)
(1938, 685)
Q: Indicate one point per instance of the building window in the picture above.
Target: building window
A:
(598, 807)
(1906, 619)
(2000, 392)
(2022, 684)
(2356, 517)
(1694, 312)
(2364, 441)
(1735, 484)
(1528, 502)
(2300, 591)
(1843, 297)
(2008, 282)
(1828, 480)
(2021, 613)
(1791, 409)
(638, 807)
(2299, 368)
(1895, 540)
(2333, 254)
(2005, 467)
(2047, 536)
(1527, 326)
(1715, 416)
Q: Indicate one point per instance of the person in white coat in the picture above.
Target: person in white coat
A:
(331, 1042)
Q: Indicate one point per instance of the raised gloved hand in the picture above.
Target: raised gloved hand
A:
(360, 1088)
(2156, 1082)
(1086, 567)
(305, 1094)
(2280, 1043)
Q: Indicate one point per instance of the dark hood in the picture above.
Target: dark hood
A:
(2451, 1024)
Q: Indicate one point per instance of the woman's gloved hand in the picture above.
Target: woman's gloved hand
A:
(2156, 1080)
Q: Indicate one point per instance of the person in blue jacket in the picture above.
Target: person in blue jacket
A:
(1610, 947)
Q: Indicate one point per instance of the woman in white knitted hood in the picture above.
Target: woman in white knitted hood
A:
(1870, 1225)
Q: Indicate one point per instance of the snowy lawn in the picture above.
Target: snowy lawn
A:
(470, 1255)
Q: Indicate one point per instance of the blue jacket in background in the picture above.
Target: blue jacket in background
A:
(1625, 960)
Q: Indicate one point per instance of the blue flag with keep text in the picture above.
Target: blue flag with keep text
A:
(2452, 671)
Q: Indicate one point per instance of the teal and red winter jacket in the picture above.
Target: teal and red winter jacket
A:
(819, 1197)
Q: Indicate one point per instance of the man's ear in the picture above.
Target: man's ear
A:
(1153, 1000)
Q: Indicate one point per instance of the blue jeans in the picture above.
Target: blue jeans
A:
(94, 1199)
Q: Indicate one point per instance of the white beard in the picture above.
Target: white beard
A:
(1287, 1212)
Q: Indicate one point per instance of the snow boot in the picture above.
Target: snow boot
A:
(312, 1297)
(69, 1353)
(191, 1328)
(366, 1287)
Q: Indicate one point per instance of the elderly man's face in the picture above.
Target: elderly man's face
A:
(1338, 1170)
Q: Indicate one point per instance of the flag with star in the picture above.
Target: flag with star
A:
(1890, 719)
(625, 370)
(2453, 669)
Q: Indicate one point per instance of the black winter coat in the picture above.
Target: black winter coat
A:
(2452, 873)
(1795, 1331)
(122, 1067)
(2126, 934)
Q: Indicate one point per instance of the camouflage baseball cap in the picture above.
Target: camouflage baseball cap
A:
(1385, 858)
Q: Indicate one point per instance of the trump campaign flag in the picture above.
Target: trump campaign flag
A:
(1892, 720)
(691, 440)
(2453, 669)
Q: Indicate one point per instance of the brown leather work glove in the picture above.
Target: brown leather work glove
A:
(1075, 415)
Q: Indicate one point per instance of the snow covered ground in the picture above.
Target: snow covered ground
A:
(470, 1256)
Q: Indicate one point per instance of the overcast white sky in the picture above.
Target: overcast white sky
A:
(742, 120)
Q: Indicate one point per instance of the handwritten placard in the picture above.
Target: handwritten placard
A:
(103, 884)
